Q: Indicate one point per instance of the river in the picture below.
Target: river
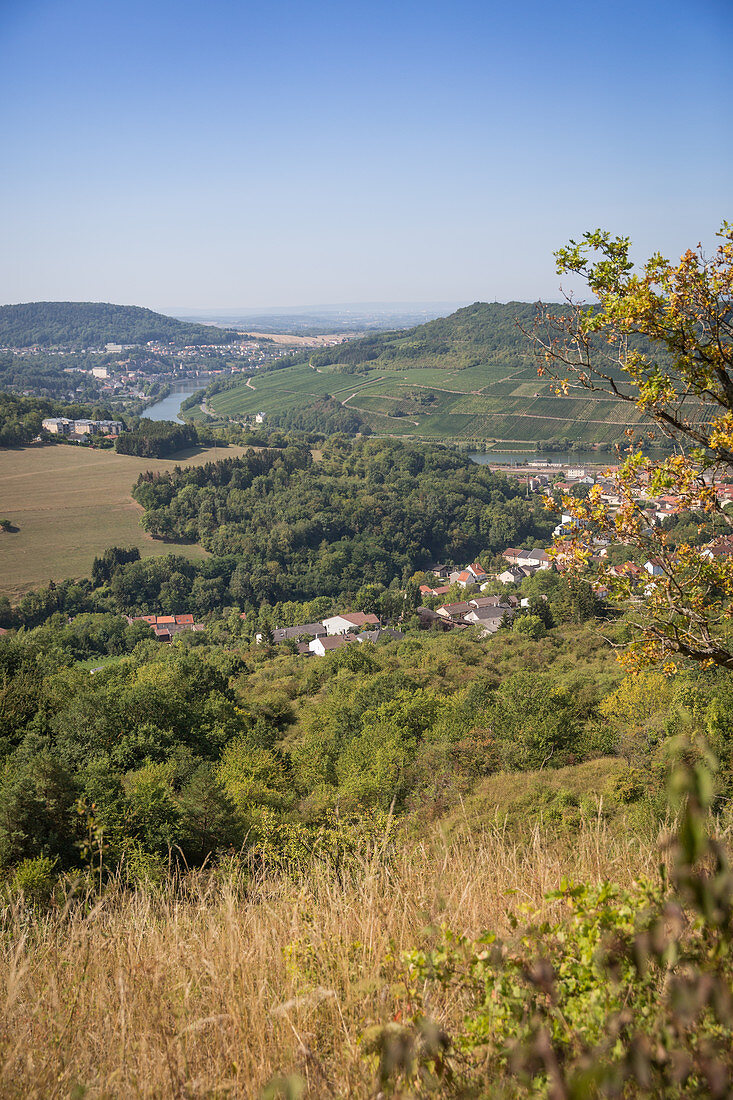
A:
(557, 458)
(170, 406)
(566, 458)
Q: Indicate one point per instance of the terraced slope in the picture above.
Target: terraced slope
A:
(475, 404)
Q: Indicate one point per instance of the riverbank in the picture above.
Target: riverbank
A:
(169, 407)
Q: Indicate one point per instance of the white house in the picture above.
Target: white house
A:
(512, 575)
(533, 559)
(342, 624)
(322, 646)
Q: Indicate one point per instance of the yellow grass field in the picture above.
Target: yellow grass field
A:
(213, 989)
(69, 504)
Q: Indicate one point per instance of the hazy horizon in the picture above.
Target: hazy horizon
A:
(230, 152)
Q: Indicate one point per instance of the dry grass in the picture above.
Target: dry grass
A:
(213, 990)
(69, 504)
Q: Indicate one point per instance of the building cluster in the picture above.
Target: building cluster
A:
(61, 425)
(487, 613)
(332, 633)
(165, 627)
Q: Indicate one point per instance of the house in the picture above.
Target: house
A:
(486, 601)
(426, 590)
(654, 567)
(453, 610)
(442, 571)
(512, 575)
(61, 425)
(84, 427)
(381, 634)
(488, 619)
(533, 560)
(341, 624)
(431, 620)
(464, 578)
(109, 427)
(568, 525)
(530, 559)
(719, 548)
(292, 633)
(626, 569)
(478, 572)
(57, 425)
(322, 646)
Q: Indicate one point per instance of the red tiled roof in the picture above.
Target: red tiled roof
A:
(358, 618)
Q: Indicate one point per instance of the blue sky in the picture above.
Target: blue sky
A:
(226, 154)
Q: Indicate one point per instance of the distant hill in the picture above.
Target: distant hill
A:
(480, 333)
(469, 378)
(94, 324)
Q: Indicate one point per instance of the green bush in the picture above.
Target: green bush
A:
(33, 880)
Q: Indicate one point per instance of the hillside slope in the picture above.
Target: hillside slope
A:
(93, 324)
(479, 333)
(470, 377)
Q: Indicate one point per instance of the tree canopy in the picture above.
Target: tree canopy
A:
(92, 324)
(683, 383)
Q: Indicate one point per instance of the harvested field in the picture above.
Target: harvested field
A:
(69, 504)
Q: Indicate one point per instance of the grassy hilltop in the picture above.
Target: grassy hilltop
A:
(469, 377)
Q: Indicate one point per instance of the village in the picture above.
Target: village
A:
(452, 597)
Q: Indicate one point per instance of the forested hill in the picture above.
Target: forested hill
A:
(93, 324)
(480, 333)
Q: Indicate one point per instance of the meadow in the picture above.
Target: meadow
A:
(222, 983)
(69, 504)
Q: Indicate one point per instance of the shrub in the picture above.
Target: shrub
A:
(33, 880)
